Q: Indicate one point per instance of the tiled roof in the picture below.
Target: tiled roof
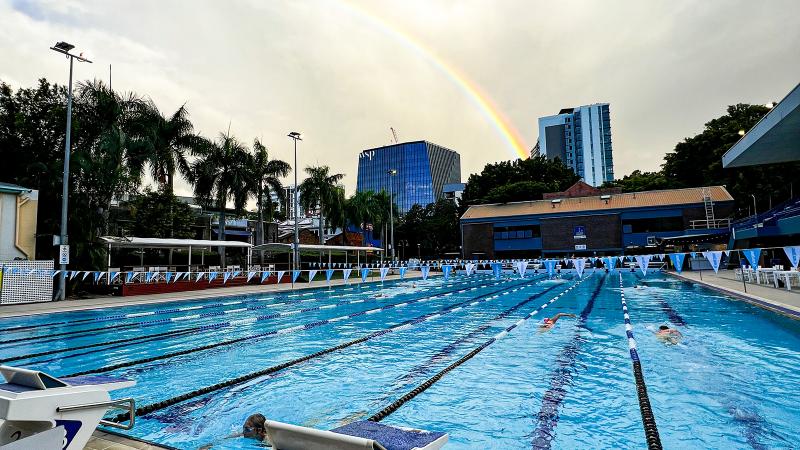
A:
(667, 197)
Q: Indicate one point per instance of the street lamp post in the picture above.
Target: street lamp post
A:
(296, 250)
(64, 48)
(392, 173)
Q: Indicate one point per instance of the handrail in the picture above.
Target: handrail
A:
(128, 404)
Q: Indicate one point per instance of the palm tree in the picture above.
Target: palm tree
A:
(266, 176)
(168, 140)
(357, 211)
(319, 189)
(220, 174)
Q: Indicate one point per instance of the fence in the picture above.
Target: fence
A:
(26, 281)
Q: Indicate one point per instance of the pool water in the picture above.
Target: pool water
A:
(732, 381)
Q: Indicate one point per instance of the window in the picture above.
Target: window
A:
(517, 232)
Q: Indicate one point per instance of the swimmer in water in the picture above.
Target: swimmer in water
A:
(668, 335)
(549, 322)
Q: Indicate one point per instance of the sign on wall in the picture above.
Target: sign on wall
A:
(579, 232)
(580, 246)
(63, 254)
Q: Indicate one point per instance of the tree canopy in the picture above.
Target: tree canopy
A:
(522, 179)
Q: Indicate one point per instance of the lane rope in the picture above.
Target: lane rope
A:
(394, 406)
(278, 332)
(404, 325)
(648, 419)
(138, 339)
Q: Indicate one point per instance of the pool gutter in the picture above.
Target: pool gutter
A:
(754, 300)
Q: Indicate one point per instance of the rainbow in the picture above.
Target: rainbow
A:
(500, 122)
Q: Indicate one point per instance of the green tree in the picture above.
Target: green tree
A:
(519, 191)
(319, 190)
(222, 174)
(639, 181)
(552, 175)
(266, 177)
(160, 214)
(697, 161)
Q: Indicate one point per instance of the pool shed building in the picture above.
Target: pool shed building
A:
(597, 224)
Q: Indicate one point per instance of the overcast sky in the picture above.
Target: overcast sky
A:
(342, 78)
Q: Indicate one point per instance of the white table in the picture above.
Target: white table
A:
(787, 277)
(765, 271)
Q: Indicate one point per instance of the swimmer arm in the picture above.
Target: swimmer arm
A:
(560, 315)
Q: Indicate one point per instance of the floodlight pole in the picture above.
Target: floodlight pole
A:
(296, 248)
(64, 48)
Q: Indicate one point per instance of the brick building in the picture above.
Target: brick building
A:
(599, 223)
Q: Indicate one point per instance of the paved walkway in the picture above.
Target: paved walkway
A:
(765, 296)
(102, 440)
(28, 309)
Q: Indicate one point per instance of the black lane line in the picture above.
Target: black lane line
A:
(446, 351)
(560, 380)
(270, 333)
(147, 409)
(146, 337)
(148, 323)
(391, 408)
(227, 298)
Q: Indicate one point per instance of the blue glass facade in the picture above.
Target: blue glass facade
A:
(422, 169)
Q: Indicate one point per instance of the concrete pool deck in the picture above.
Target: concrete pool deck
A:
(28, 309)
(765, 296)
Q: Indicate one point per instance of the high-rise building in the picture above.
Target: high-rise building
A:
(581, 138)
(423, 168)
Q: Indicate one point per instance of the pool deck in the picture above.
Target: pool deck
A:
(28, 309)
(765, 296)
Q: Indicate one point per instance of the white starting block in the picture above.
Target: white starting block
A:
(363, 435)
(43, 412)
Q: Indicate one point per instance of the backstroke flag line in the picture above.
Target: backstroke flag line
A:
(677, 261)
(643, 261)
(579, 264)
(793, 253)
(714, 258)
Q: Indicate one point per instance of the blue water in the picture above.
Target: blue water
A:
(731, 382)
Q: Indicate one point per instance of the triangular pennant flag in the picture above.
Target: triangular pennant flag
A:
(402, 272)
(497, 268)
(85, 274)
(328, 275)
(264, 275)
(311, 275)
(97, 276)
(250, 275)
(714, 258)
(280, 275)
(346, 274)
(580, 265)
(446, 271)
(793, 253)
(677, 261)
(168, 277)
(225, 277)
(522, 267)
(425, 271)
(610, 263)
(364, 273)
(727, 253)
(694, 254)
(199, 276)
(752, 256)
(470, 268)
(129, 276)
(295, 275)
(148, 277)
(212, 276)
(236, 273)
(384, 271)
(550, 265)
(643, 261)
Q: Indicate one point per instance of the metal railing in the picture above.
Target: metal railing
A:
(128, 404)
(703, 224)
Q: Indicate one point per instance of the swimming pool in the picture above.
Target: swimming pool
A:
(732, 381)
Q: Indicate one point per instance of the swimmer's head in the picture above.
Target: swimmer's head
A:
(663, 327)
(255, 427)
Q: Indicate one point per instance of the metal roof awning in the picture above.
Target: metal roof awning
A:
(234, 232)
(277, 247)
(137, 242)
(774, 139)
(705, 238)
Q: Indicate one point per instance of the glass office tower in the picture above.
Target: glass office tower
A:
(581, 138)
(423, 168)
